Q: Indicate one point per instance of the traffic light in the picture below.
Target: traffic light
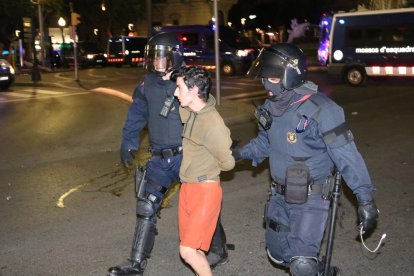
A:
(75, 17)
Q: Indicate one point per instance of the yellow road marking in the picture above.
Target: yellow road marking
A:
(60, 203)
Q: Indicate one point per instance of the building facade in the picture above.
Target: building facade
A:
(185, 12)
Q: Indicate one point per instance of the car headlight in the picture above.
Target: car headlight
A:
(242, 53)
(338, 55)
(5, 64)
(89, 56)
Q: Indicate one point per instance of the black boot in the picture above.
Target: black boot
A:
(132, 269)
(142, 245)
(218, 254)
(333, 270)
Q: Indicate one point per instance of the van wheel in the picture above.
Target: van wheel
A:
(355, 76)
(227, 69)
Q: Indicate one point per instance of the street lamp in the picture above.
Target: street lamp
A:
(62, 24)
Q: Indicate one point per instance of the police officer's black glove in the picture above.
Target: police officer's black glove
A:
(236, 155)
(127, 156)
(368, 214)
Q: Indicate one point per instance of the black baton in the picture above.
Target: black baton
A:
(336, 193)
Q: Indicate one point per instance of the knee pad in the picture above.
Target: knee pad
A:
(303, 266)
(145, 208)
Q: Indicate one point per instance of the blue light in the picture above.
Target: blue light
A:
(341, 21)
(325, 22)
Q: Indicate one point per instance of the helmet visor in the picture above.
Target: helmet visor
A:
(267, 65)
(158, 58)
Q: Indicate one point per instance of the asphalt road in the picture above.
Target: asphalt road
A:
(67, 206)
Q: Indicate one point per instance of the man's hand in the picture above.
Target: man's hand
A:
(368, 214)
(127, 156)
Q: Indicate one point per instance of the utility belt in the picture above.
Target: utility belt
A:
(167, 153)
(315, 189)
(298, 185)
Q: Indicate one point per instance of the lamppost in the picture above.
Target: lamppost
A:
(62, 24)
(41, 29)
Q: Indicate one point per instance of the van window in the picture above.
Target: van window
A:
(135, 43)
(357, 36)
(373, 34)
(403, 34)
(234, 39)
(210, 41)
(353, 36)
(189, 40)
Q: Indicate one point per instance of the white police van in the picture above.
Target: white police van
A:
(370, 43)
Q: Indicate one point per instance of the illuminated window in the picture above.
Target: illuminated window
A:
(388, 70)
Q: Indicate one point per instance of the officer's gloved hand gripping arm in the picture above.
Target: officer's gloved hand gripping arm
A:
(256, 150)
(342, 150)
(135, 122)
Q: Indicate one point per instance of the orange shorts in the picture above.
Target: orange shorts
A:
(198, 211)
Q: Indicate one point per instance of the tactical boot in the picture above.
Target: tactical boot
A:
(215, 259)
(131, 269)
(333, 270)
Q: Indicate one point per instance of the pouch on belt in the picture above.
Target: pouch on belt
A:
(297, 183)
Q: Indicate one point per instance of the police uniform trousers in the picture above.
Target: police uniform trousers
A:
(295, 229)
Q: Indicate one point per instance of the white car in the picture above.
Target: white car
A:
(6, 74)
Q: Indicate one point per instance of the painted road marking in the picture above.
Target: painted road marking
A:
(31, 94)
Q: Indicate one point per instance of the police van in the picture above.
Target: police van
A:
(127, 50)
(236, 50)
(369, 43)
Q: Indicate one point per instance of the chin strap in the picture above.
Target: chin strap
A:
(361, 232)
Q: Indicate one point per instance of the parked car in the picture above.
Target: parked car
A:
(90, 54)
(6, 74)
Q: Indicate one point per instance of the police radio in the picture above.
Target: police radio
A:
(168, 103)
(263, 116)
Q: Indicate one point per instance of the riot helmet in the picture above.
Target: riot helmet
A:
(285, 61)
(163, 53)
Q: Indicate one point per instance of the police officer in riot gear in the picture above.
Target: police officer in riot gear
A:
(305, 137)
(154, 106)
